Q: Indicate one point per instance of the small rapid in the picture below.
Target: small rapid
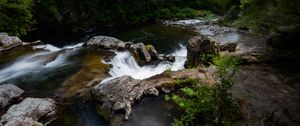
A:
(124, 64)
(37, 62)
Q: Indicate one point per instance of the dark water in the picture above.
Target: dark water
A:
(164, 38)
(44, 82)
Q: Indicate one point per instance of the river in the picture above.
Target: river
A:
(43, 73)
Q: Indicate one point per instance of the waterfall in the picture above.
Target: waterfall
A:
(124, 64)
(37, 62)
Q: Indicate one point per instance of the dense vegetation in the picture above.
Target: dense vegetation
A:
(205, 104)
(20, 16)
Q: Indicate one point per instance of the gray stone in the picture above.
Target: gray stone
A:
(121, 92)
(9, 41)
(8, 94)
(104, 42)
(152, 91)
(152, 51)
(140, 53)
(30, 109)
(200, 50)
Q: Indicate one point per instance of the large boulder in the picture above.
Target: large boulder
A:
(200, 50)
(152, 51)
(7, 41)
(104, 42)
(140, 53)
(9, 93)
(29, 111)
(119, 93)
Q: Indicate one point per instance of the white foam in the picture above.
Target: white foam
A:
(124, 64)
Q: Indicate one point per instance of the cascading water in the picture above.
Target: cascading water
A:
(37, 62)
(124, 64)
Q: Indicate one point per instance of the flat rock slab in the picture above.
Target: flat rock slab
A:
(8, 94)
(268, 97)
(30, 110)
(120, 93)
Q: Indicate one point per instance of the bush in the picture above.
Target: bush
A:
(208, 105)
(268, 15)
(15, 16)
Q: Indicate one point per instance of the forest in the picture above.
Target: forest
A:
(21, 16)
(149, 62)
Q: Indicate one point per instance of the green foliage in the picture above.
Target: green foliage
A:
(168, 70)
(208, 105)
(149, 47)
(268, 15)
(15, 16)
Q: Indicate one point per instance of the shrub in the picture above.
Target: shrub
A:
(208, 105)
(15, 16)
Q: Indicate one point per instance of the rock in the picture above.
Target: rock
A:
(7, 41)
(140, 53)
(228, 47)
(104, 42)
(9, 93)
(30, 110)
(267, 96)
(128, 45)
(120, 92)
(200, 50)
(23, 122)
(152, 51)
(152, 91)
(287, 37)
(170, 58)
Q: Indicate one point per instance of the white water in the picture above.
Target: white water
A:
(124, 64)
(36, 62)
(52, 48)
(185, 22)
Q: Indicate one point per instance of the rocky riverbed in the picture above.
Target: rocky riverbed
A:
(104, 78)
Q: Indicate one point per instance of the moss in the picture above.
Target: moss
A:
(149, 47)
(13, 54)
(91, 72)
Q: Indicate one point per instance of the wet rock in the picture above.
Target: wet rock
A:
(268, 97)
(140, 53)
(23, 122)
(252, 49)
(104, 42)
(169, 58)
(228, 47)
(200, 50)
(7, 41)
(213, 30)
(9, 93)
(30, 110)
(128, 45)
(120, 93)
(152, 91)
(152, 51)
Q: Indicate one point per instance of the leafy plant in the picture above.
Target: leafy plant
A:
(204, 104)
